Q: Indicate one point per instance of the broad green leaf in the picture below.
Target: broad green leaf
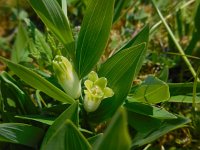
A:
(20, 52)
(21, 134)
(148, 110)
(152, 91)
(120, 70)
(93, 35)
(183, 99)
(182, 88)
(37, 81)
(139, 122)
(53, 17)
(10, 90)
(63, 134)
(67, 138)
(70, 113)
(116, 136)
(166, 126)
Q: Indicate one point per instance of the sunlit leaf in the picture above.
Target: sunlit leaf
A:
(152, 90)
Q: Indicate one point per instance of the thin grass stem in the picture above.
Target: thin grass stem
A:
(170, 15)
(181, 51)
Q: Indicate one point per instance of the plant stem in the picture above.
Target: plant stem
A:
(195, 90)
(181, 51)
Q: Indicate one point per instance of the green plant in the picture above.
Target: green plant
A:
(54, 109)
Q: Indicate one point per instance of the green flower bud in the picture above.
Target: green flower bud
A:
(95, 92)
(67, 77)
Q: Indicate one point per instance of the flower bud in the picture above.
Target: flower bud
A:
(67, 77)
(95, 92)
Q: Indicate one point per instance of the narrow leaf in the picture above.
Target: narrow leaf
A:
(120, 5)
(93, 35)
(37, 81)
(38, 118)
(116, 136)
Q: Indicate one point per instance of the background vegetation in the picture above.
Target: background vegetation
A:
(171, 64)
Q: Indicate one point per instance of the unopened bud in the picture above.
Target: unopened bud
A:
(67, 76)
